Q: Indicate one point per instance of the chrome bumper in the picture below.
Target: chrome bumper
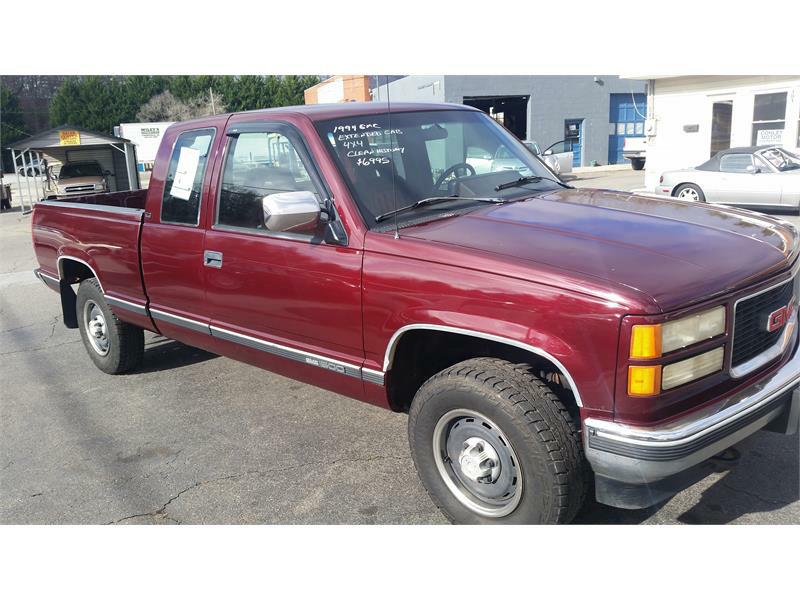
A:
(640, 455)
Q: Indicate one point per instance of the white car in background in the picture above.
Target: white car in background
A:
(559, 163)
(752, 176)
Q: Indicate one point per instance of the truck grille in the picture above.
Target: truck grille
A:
(75, 189)
(750, 334)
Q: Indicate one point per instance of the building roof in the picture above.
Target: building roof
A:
(51, 139)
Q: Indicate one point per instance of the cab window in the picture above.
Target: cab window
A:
(180, 203)
(259, 164)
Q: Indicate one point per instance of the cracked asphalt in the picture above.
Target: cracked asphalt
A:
(196, 438)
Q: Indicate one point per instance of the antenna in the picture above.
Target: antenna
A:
(391, 159)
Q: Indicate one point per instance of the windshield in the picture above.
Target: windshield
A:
(80, 170)
(781, 159)
(426, 154)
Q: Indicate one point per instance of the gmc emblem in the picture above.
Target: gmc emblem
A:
(779, 318)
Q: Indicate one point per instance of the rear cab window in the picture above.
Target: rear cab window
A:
(180, 203)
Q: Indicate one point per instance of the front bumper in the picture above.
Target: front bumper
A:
(642, 456)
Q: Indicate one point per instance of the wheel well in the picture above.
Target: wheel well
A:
(421, 353)
(676, 186)
(71, 271)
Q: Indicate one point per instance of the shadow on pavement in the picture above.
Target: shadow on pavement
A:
(162, 354)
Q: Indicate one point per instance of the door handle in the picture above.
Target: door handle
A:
(212, 259)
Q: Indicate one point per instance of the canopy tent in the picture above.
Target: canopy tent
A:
(65, 144)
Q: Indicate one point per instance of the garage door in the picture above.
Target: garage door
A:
(102, 156)
(627, 120)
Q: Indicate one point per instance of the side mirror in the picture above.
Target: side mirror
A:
(106, 173)
(291, 212)
(548, 152)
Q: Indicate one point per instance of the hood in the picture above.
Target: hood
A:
(674, 252)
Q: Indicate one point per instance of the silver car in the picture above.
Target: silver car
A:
(559, 163)
(753, 177)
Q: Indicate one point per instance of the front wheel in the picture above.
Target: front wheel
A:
(493, 444)
(690, 192)
(113, 345)
(637, 164)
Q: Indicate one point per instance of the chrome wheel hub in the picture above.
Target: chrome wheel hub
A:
(477, 463)
(96, 328)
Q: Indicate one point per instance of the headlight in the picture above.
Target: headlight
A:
(99, 186)
(651, 341)
(692, 368)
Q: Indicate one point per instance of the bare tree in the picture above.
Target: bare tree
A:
(166, 107)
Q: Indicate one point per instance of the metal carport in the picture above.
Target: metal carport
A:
(64, 144)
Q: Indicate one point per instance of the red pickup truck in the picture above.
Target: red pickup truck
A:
(546, 341)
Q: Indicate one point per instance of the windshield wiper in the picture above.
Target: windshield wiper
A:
(430, 201)
(529, 179)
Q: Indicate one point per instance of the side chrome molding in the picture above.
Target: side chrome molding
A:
(372, 376)
(160, 315)
(392, 347)
(134, 307)
(315, 360)
(45, 278)
(295, 354)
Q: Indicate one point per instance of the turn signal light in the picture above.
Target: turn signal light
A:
(644, 381)
(646, 341)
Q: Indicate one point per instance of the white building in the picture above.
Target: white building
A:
(692, 118)
(146, 137)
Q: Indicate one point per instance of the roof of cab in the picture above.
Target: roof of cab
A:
(323, 112)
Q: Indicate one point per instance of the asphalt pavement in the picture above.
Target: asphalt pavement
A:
(196, 438)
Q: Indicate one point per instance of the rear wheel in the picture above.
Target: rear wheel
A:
(493, 444)
(637, 164)
(689, 191)
(113, 345)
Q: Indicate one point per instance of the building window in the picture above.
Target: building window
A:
(769, 118)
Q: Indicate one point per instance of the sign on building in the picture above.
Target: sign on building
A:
(769, 136)
(69, 138)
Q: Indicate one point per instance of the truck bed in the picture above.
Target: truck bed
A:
(99, 231)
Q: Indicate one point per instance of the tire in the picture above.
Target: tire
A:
(690, 192)
(114, 346)
(543, 476)
(637, 164)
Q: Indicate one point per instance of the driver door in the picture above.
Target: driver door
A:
(287, 301)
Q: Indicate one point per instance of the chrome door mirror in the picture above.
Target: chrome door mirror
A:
(291, 212)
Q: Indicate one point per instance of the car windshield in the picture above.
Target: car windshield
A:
(391, 163)
(71, 170)
(781, 159)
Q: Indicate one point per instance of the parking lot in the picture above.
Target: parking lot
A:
(196, 438)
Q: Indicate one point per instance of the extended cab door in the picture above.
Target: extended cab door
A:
(173, 231)
(286, 301)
